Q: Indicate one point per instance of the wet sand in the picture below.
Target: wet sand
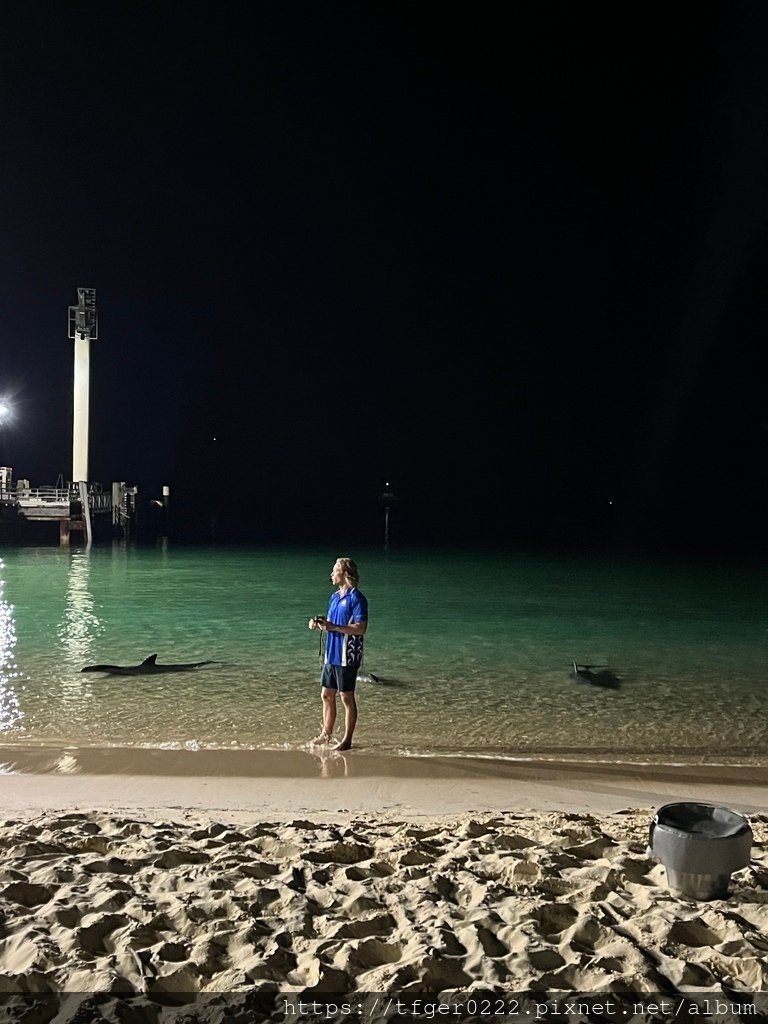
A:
(284, 783)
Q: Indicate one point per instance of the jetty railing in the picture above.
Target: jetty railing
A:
(55, 497)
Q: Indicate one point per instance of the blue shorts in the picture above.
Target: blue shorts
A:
(339, 677)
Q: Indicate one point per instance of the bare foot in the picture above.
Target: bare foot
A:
(345, 745)
(320, 740)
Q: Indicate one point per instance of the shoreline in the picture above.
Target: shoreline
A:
(282, 784)
(302, 761)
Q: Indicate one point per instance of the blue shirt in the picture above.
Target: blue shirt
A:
(341, 649)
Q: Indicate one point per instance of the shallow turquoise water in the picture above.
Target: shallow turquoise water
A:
(474, 650)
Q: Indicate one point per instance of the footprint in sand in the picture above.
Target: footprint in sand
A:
(554, 918)
(488, 940)
(173, 952)
(376, 869)
(383, 924)
(369, 954)
(340, 853)
(27, 894)
(94, 937)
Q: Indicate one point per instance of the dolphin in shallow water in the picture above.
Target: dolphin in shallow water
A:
(148, 667)
(367, 677)
(605, 678)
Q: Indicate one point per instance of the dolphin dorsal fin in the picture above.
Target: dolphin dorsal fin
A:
(150, 660)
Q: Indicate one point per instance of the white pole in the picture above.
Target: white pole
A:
(80, 423)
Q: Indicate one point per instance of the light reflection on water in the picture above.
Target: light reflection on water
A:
(474, 651)
(10, 710)
(80, 626)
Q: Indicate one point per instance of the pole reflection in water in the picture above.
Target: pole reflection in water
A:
(10, 710)
(81, 625)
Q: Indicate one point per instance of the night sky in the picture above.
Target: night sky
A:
(510, 259)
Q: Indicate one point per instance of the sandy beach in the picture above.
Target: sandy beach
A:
(168, 881)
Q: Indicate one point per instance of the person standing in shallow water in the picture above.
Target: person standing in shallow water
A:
(345, 625)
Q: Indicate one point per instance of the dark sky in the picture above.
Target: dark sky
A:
(508, 258)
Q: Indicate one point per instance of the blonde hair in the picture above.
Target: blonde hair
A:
(350, 570)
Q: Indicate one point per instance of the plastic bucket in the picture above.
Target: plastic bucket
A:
(699, 887)
(700, 845)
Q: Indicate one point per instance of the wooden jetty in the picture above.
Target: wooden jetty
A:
(74, 506)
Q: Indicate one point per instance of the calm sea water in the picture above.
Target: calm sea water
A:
(473, 650)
